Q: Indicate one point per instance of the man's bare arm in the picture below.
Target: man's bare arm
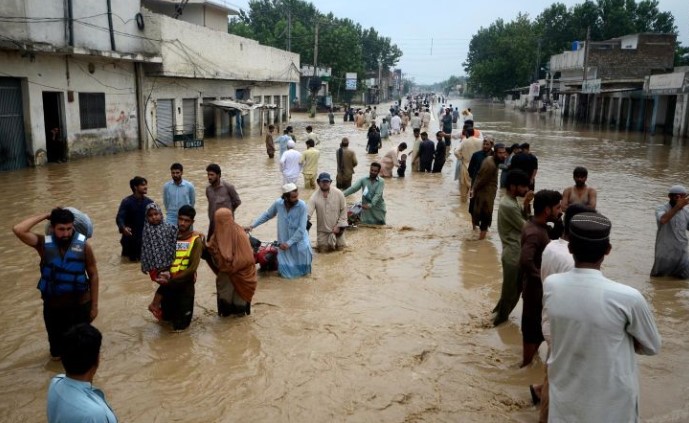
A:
(665, 218)
(23, 229)
(92, 272)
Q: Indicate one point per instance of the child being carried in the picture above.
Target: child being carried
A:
(158, 248)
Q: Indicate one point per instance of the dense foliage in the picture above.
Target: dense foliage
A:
(343, 44)
(513, 54)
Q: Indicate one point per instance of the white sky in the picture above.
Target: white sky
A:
(434, 36)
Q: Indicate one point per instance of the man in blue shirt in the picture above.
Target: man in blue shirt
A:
(72, 397)
(282, 141)
(177, 193)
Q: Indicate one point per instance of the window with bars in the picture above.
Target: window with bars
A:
(92, 110)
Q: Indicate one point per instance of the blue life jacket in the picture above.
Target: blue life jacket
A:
(63, 275)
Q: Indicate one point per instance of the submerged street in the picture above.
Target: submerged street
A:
(395, 328)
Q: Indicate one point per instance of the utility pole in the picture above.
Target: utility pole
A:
(314, 90)
(289, 28)
(583, 106)
(380, 77)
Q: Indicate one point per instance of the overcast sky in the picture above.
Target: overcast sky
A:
(434, 35)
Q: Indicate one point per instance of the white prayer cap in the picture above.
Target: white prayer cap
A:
(289, 188)
(677, 189)
(291, 144)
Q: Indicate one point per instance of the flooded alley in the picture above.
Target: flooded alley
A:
(395, 328)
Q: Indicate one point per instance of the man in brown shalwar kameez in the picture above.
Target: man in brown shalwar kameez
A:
(485, 187)
(346, 162)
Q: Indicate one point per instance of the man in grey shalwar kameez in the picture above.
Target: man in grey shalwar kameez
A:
(671, 256)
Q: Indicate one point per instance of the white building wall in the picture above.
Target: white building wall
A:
(206, 15)
(178, 89)
(90, 25)
(49, 73)
(193, 51)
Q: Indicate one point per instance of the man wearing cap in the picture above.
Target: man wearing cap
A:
(291, 164)
(346, 162)
(671, 258)
(294, 253)
(331, 211)
(372, 201)
(597, 325)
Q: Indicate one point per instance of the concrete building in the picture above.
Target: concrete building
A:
(86, 77)
(604, 83)
(320, 78)
(670, 94)
(68, 79)
(201, 63)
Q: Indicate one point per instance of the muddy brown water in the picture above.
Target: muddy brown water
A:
(396, 328)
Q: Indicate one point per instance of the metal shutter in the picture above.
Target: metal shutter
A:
(188, 115)
(165, 121)
(12, 141)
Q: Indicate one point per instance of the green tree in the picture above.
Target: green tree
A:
(502, 56)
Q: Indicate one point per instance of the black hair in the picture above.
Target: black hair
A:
(213, 167)
(587, 251)
(187, 210)
(310, 142)
(545, 198)
(59, 215)
(402, 146)
(309, 128)
(81, 348)
(136, 181)
(580, 171)
(525, 146)
(439, 134)
(517, 177)
(177, 166)
(376, 164)
(271, 127)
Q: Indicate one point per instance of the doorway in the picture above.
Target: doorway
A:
(53, 118)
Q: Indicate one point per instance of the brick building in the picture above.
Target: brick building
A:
(604, 84)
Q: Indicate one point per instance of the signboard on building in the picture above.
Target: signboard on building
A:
(534, 90)
(668, 84)
(591, 86)
(350, 81)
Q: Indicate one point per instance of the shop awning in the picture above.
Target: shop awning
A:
(228, 105)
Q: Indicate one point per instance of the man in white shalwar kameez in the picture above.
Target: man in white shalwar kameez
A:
(597, 326)
(290, 164)
(671, 256)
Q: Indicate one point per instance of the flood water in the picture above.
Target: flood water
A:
(396, 328)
